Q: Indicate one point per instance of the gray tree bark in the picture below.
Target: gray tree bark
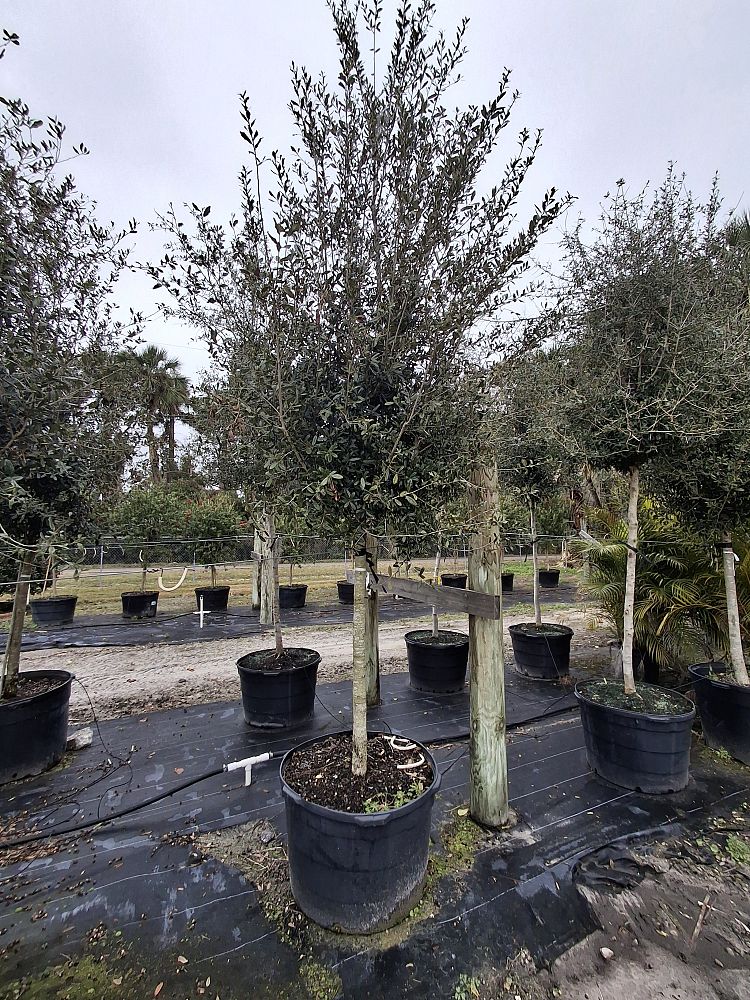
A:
(12, 655)
(736, 652)
(628, 678)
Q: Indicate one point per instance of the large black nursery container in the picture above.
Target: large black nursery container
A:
(724, 709)
(506, 583)
(140, 604)
(346, 592)
(278, 699)
(215, 599)
(51, 611)
(454, 580)
(639, 750)
(34, 730)
(292, 595)
(357, 873)
(549, 578)
(541, 651)
(437, 666)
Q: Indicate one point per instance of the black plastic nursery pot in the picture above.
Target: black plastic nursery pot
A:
(453, 580)
(724, 709)
(638, 750)
(34, 730)
(214, 598)
(278, 699)
(292, 595)
(549, 578)
(357, 873)
(437, 666)
(6, 605)
(46, 611)
(140, 603)
(541, 651)
(506, 583)
(346, 591)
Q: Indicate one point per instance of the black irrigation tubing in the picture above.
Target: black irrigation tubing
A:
(33, 838)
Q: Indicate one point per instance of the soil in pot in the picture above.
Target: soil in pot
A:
(346, 591)
(46, 611)
(541, 651)
(358, 872)
(454, 580)
(506, 582)
(292, 595)
(139, 603)
(278, 692)
(724, 709)
(437, 665)
(549, 578)
(34, 724)
(215, 599)
(322, 773)
(639, 741)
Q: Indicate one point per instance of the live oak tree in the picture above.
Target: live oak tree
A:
(708, 480)
(652, 369)
(61, 435)
(352, 310)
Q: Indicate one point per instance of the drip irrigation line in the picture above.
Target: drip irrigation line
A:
(73, 828)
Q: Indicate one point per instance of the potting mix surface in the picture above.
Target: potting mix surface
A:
(189, 896)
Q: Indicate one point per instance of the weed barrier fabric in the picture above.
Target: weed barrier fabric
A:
(143, 887)
(184, 626)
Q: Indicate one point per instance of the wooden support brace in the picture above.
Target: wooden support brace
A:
(471, 602)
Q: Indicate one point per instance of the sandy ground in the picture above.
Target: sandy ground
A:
(134, 679)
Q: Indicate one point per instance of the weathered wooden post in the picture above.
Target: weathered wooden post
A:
(257, 555)
(266, 571)
(487, 751)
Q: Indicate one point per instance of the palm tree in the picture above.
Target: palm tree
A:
(163, 397)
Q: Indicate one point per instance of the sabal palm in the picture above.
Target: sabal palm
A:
(163, 395)
(680, 608)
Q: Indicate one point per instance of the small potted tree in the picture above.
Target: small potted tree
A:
(60, 416)
(213, 524)
(647, 300)
(534, 464)
(54, 609)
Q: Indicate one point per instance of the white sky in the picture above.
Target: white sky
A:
(620, 87)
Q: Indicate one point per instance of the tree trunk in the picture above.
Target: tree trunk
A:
(586, 559)
(435, 579)
(275, 545)
(628, 678)
(535, 563)
(359, 668)
(153, 454)
(266, 572)
(736, 653)
(257, 565)
(12, 657)
(169, 430)
(372, 652)
(487, 752)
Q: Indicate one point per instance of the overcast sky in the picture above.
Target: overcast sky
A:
(620, 87)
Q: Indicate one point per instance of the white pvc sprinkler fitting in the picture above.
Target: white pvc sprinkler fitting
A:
(247, 766)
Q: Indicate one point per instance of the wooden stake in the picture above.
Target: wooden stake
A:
(487, 752)
(372, 653)
(266, 571)
(257, 551)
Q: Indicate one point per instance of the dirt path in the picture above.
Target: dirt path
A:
(128, 680)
